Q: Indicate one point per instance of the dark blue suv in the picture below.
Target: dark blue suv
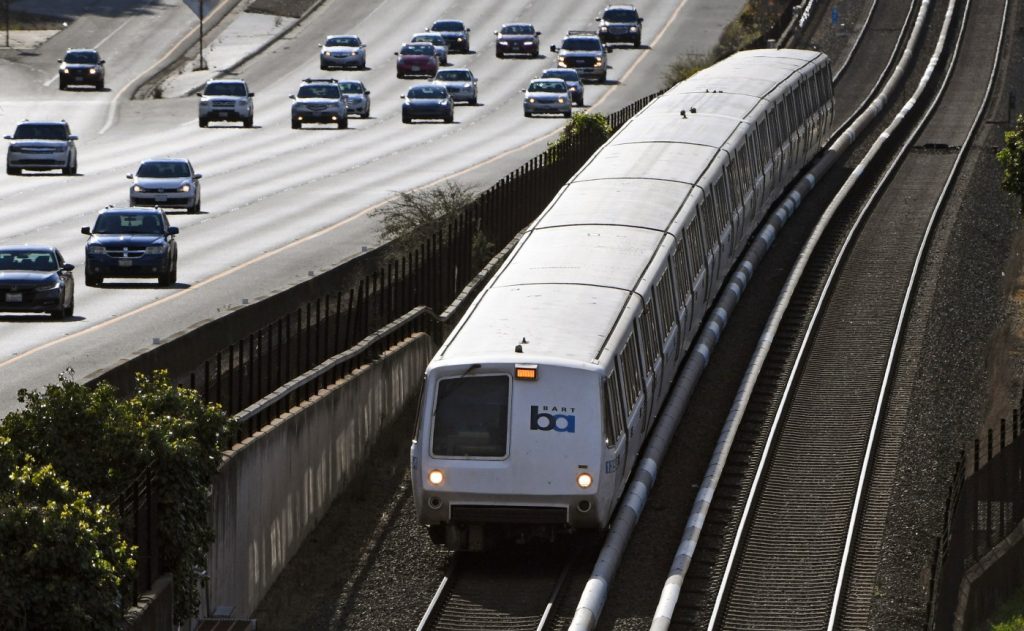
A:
(131, 243)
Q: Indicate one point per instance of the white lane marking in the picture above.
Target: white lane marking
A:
(103, 41)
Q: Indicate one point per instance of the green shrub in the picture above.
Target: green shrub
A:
(1011, 158)
(63, 563)
(589, 128)
(101, 442)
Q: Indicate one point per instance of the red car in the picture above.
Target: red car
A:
(419, 59)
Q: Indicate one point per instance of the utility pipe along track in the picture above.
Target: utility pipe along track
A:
(518, 590)
(808, 539)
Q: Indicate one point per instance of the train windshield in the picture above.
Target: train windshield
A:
(471, 417)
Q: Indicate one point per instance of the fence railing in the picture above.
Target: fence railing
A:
(137, 508)
(984, 505)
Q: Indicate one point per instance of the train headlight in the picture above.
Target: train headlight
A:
(584, 480)
(436, 477)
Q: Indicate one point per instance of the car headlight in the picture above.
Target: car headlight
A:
(572, 88)
(92, 71)
(561, 99)
(156, 249)
(95, 249)
(444, 102)
(598, 63)
(138, 189)
(604, 29)
(458, 39)
(502, 43)
(527, 43)
(561, 62)
(184, 188)
(632, 29)
(532, 100)
(51, 287)
(67, 71)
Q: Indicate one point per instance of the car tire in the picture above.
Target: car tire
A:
(174, 274)
(70, 310)
(604, 77)
(535, 54)
(92, 280)
(399, 75)
(203, 122)
(194, 208)
(323, 66)
(449, 118)
(100, 85)
(69, 169)
(567, 114)
(296, 124)
(406, 119)
(164, 279)
(472, 101)
(362, 65)
(343, 123)
(62, 85)
(498, 54)
(527, 114)
(636, 43)
(365, 114)
(13, 171)
(247, 123)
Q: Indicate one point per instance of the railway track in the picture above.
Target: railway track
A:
(517, 591)
(816, 453)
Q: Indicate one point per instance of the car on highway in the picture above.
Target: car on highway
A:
(319, 101)
(517, 38)
(226, 100)
(342, 51)
(357, 97)
(42, 146)
(460, 83)
(427, 101)
(440, 45)
(417, 60)
(620, 23)
(131, 243)
(81, 66)
(455, 32)
(36, 279)
(547, 96)
(572, 80)
(167, 183)
(584, 52)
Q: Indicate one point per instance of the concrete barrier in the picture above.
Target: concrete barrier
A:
(155, 609)
(273, 488)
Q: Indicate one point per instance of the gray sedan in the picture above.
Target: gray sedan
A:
(167, 183)
(547, 96)
(460, 82)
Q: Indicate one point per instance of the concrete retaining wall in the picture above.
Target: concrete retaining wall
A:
(273, 488)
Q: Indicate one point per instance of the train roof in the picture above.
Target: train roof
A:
(588, 257)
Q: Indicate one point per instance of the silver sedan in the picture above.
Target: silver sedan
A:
(460, 82)
(343, 51)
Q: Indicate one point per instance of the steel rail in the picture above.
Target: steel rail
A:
(842, 142)
(912, 284)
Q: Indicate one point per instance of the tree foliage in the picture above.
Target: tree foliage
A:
(63, 562)
(101, 442)
(1011, 157)
(589, 128)
(414, 216)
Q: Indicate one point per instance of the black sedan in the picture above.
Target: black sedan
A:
(427, 100)
(518, 38)
(35, 279)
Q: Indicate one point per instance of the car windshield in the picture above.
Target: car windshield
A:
(556, 73)
(620, 15)
(454, 75)
(428, 92)
(517, 29)
(128, 223)
(319, 92)
(547, 86)
(447, 25)
(433, 38)
(351, 87)
(169, 168)
(581, 43)
(35, 260)
(342, 41)
(40, 131)
(418, 49)
(225, 89)
(82, 57)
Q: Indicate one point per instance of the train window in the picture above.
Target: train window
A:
(615, 426)
(471, 417)
(631, 376)
(764, 142)
(680, 274)
(694, 250)
(668, 306)
(775, 125)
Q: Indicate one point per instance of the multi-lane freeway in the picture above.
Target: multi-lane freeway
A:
(278, 204)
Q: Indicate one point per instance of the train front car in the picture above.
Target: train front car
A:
(509, 451)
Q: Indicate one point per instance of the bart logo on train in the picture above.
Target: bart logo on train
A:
(548, 420)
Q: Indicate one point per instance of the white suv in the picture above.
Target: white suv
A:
(226, 100)
(319, 101)
(41, 146)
